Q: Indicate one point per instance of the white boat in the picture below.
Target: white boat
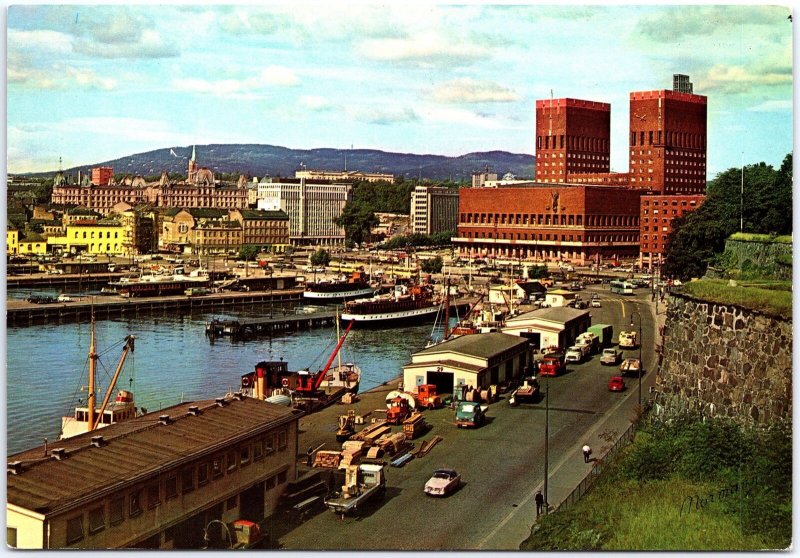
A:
(91, 417)
(416, 304)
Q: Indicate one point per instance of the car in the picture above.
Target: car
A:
(574, 354)
(616, 383)
(442, 482)
(631, 366)
(596, 303)
(610, 356)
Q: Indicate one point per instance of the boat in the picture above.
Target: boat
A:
(414, 304)
(274, 382)
(356, 286)
(91, 417)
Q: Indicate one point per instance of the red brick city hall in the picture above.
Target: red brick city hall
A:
(549, 222)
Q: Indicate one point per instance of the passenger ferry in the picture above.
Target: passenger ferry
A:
(354, 287)
(414, 304)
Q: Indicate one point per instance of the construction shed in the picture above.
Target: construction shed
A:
(549, 327)
(477, 360)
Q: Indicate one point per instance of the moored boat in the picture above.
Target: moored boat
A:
(355, 287)
(89, 417)
(414, 304)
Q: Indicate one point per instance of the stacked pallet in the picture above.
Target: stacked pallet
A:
(328, 459)
(371, 433)
(351, 453)
(427, 446)
(414, 425)
(349, 398)
(392, 444)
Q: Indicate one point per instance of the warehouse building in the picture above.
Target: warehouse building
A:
(478, 360)
(549, 327)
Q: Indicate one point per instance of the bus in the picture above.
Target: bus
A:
(621, 287)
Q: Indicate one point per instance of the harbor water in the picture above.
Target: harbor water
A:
(173, 361)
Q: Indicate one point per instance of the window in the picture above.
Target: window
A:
(153, 496)
(116, 511)
(11, 537)
(171, 487)
(282, 477)
(135, 504)
(216, 467)
(75, 529)
(97, 520)
(282, 440)
(244, 455)
(187, 480)
(231, 461)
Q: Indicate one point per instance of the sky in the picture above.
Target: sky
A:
(89, 83)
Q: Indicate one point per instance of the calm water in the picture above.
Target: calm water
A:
(173, 361)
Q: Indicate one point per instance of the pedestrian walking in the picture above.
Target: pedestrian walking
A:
(539, 503)
(587, 453)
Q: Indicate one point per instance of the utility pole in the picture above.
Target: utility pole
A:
(546, 440)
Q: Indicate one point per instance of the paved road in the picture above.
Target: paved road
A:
(502, 463)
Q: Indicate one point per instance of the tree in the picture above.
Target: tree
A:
(433, 265)
(358, 220)
(764, 206)
(320, 257)
(248, 252)
(537, 272)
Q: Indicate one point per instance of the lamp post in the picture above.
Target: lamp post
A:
(641, 363)
(546, 439)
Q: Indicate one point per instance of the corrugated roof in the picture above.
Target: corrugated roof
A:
(560, 314)
(134, 450)
(482, 345)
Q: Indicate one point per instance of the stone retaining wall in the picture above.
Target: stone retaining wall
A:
(764, 256)
(723, 360)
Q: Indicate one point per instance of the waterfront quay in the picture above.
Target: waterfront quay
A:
(23, 313)
(502, 463)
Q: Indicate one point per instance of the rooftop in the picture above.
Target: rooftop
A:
(560, 314)
(134, 450)
(483, 345)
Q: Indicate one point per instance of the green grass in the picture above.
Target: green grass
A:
(772, 297)
(751, 237)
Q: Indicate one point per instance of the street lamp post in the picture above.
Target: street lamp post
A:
(546, 439)
(641, 362)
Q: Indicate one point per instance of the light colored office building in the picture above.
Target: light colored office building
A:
(434, 209)
(311, 206)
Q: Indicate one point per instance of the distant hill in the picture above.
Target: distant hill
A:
(270, 160)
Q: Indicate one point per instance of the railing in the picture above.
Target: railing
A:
(586, 484)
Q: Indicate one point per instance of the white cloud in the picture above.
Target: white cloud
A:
(148, 44)
(461, 117)
(250, 86)
(382, 115)
(738, 79)
(773, 106)
(427, 49)
(468, 90)
(315, 103)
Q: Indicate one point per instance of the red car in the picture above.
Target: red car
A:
(616, 383)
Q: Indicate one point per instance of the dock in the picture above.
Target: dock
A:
(267, 325)
(22, 313)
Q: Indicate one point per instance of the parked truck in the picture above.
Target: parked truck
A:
(399, 406)
(627, 339)
(469, 414)
(427, 398)
(361, 483)
(552, 365)
(604, 333)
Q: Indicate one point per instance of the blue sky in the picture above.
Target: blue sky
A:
(96, 82)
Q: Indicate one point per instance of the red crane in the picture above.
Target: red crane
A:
(311, 384)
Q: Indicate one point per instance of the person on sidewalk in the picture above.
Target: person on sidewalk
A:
(539, 503)
(587, 453)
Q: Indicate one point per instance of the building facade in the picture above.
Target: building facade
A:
(12, 240)
(266, 229)
(434, 209)
(97, 198)
(312, 207)
(216, 237)
(667, 142)
(176, 230)
(338, 176)
(155, 481)
(479, 179)
(551, 222)
(91, 237)
(657, 216)
(573, 136)
(102, 176)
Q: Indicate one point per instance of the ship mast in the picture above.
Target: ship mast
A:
(92, 364)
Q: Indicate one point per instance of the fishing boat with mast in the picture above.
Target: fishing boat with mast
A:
(89, 417)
